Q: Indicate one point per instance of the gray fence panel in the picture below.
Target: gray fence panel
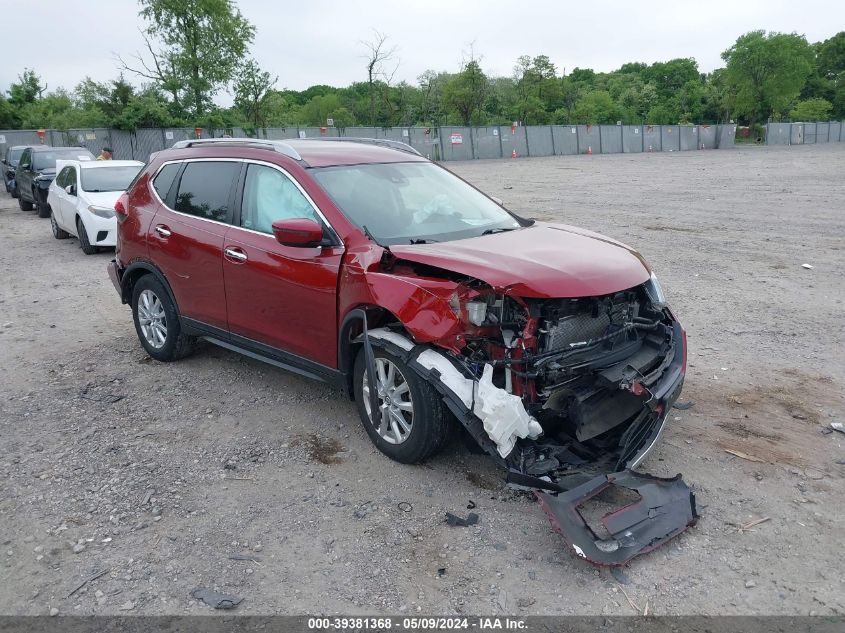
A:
(540, 141)
(822, 132)
(632, 139)
(725, 135)
(835, 131)
(360, 132)
(565, 139)
(688, 137)
(515, 140)
(18, 137)
(796, 133)
(777, 134)
(122, 145)
(486, 142)
(809, 133)
(280, 133)
(707, 136)
(147, 142)
(92, 139)
(651, 138)
(611, 139)
(589, 139)
(456, 143)
(670, 138)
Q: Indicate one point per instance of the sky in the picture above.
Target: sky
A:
(306, 42)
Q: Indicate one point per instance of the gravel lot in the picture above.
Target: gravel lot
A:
(219, 456)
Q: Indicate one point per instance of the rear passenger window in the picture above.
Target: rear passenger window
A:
(164, 179)
(205, 187)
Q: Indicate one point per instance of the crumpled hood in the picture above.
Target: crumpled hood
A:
(542, 261)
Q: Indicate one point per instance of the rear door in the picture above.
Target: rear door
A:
(58, 198)
(186, 237)
(281, 296)
(23, 174)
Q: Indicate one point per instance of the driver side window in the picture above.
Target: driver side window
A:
(270, 195)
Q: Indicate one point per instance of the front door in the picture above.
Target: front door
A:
(186, 237)
(281, 296)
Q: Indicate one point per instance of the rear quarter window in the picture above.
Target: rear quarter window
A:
(164, 179)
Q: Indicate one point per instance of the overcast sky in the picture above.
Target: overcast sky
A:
(319, 42)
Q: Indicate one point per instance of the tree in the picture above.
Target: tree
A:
(27, 89)
(195, 47)
(812, 110)
(766, 71)
(378, 54)
(596, 106)
(342, 118)
(252, 88)
(465, 92)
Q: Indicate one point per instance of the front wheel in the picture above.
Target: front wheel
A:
(15, 192)
(410, 422)
(43, 209)
(82, 234)
(157, 321)
(23, 204)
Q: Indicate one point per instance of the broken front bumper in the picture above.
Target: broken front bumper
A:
(666, 508)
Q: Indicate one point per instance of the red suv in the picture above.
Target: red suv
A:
(360, 263)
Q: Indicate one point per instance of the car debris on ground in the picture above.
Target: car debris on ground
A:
(215, 599)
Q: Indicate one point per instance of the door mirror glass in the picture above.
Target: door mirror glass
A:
(300, 232)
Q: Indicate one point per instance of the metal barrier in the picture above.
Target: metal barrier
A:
(456, 142)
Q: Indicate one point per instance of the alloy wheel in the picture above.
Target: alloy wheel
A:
(152, 319)
(395, 415)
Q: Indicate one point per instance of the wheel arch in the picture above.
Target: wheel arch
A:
(134, 272)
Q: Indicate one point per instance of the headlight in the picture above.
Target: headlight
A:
(103, 212)
(655, 292)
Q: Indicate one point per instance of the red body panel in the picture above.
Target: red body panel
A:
(191, 259)
(543, 261)
(283, 296)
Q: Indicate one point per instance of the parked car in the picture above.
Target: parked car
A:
(10, 163)
(81, 200)
(37, 169)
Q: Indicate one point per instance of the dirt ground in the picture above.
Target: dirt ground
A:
(157, 475)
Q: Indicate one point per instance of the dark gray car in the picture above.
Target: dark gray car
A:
(9, 164)
(37, 169)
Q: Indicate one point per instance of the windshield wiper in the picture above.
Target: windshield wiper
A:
(499, 230)
(423, 240)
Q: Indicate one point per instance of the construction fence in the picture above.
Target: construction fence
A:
(455, 143)
(805, 133)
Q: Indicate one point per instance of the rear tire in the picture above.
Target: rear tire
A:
(15, 192)
(157, 321)
(429, 423)
(82, 234)
(58, 233)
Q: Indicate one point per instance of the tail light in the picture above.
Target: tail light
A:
(121, 207)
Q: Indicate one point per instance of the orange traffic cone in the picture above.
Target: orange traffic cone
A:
(589, 150)
(513, 154)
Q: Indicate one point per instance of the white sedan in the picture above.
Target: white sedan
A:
(81, 200)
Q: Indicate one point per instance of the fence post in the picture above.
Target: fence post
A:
(552, 134)
(499, 134)
(527, 146)
(578, 139)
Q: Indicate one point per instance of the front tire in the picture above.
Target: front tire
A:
(15, 192)
(43, 209)
(411, 422)
(157, 321)
(82, 234)
(58, 233)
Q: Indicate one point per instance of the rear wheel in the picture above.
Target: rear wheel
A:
(15, 192)
(410, 422)
(23, 204)
(83, 238)
(157, 321)
(58, 233)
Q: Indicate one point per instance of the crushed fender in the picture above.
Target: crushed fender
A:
(665, 509)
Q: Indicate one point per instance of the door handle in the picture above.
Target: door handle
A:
(163, 230)
(235, 253)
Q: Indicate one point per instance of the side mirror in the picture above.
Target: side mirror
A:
(300, 232)
(70, 190)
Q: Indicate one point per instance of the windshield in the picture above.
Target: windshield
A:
(108, 178)
(401, 203)
(47, 160)
(14, 156)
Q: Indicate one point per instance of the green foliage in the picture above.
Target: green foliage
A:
(252, 89)
(27, 89)
(812, 110)
(465, 92)
(766, 71)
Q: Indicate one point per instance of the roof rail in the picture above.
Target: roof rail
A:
(278, 146)
(383, 142)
